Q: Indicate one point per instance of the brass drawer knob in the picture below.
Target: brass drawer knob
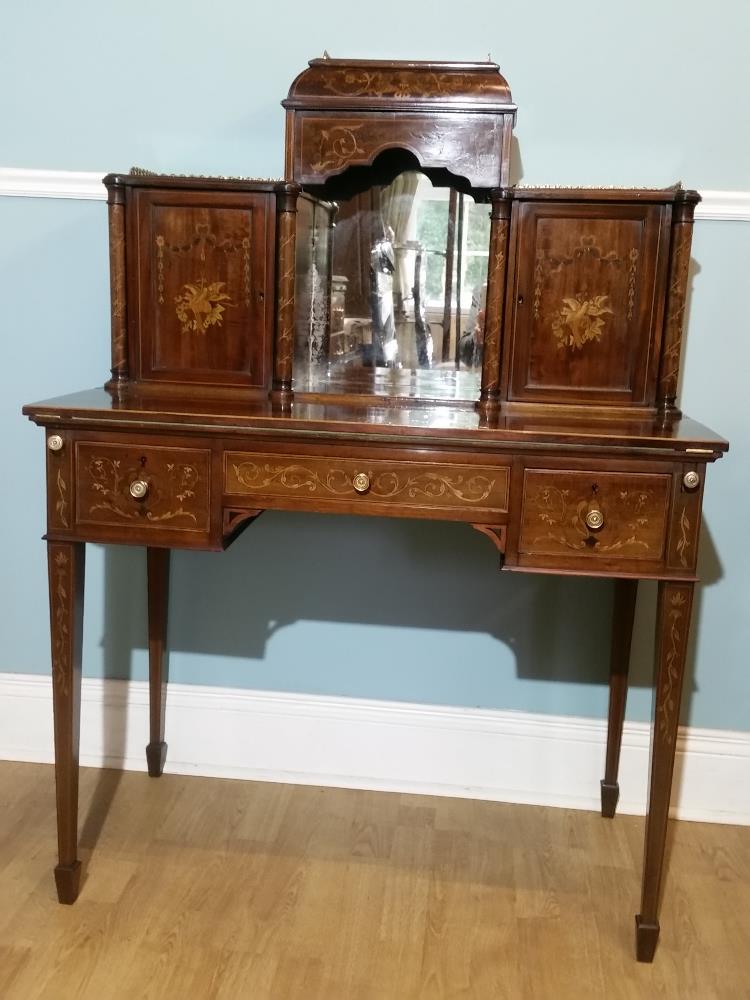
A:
(138, 489)
(361, 482)
(691, 480)
(55, 442)
(594, 519)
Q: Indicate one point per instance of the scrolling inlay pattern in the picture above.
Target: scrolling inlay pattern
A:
(338, 145)
(61, 507)
(565, 516)
(683, 543)
(404, 84)
(111, 483)
(61, 595)
(285, 306)
(117, 287)
(668, 706)
(678, 279)
(383, 485)
(494, 308)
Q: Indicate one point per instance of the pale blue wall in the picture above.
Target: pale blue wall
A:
(383, 609)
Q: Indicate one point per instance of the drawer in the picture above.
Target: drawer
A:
(632, 507)
(462, 491)
(174, 483)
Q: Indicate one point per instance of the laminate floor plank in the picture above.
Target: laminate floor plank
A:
(226, 890)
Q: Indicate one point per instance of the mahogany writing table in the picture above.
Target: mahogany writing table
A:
(391, 329)
(527, 483)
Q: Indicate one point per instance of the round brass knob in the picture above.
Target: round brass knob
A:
(55, 442)
(361, 482)
(594, 519)
(138, 489)
(691, 480)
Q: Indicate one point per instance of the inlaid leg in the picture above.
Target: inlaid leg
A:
(157, 563)
(622, 634)
(672, 626)
(66, 561)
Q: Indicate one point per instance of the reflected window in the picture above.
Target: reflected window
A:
(390, 286)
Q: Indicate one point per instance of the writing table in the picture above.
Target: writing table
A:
(390, 330)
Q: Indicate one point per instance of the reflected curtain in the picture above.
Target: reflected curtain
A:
(397, 206)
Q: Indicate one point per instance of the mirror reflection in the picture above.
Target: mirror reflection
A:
(390, 291)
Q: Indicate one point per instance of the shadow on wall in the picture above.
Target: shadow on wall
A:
(450, 623)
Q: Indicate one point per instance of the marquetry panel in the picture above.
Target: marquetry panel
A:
(59, 482)
(469, 145)
(684, 532)
(632, 509)
(586, 314)
(201, 281)
(461, 490)
(177, 487)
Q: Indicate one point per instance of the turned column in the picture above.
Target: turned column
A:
(672, 626)
(65, 562)
(489, 398)
(622, 633)
(286, 207)
(157, 565)
(117, 284)
(677, 286)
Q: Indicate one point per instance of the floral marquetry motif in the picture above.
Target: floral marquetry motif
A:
(399, 83)
(675, 624)
(172, 487)
(196, 304)
(580, 320)
(201, 306)
(597, 514)
(583, 329)
(61, 594)
(405, 83)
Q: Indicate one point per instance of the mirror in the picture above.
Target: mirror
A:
(390, 291)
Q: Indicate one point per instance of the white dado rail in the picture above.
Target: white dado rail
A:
(86, 185)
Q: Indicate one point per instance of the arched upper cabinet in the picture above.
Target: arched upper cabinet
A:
(450, 117)
(400, 161)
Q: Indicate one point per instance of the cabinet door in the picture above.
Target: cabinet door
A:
(587, 302)
(200, 273)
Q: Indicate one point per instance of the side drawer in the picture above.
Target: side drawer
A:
(456, 490)
(633, 509)
(175, 483)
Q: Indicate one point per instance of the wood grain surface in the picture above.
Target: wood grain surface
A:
(227, 889)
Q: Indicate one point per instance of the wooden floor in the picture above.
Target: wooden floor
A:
(197, 888)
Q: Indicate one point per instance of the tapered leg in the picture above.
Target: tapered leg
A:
(157, 563)
(622, 634)
(672, 626)
(66, 561)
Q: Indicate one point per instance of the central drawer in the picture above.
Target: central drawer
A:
(459, 490)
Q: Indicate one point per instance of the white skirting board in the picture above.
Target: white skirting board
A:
(391, 746)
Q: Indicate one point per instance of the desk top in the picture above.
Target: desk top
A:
(453, 424)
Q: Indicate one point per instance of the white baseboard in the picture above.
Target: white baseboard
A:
(726, 206)
(349, 743)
